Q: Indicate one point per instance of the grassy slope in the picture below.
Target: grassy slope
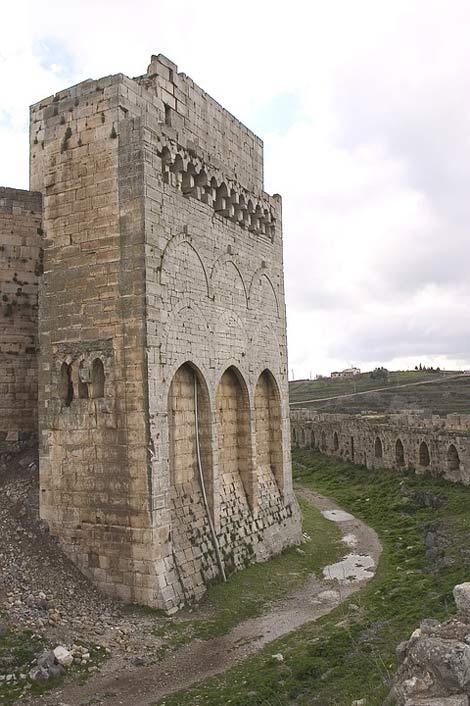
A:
(349, 654)
(303, 390)
(444, 396)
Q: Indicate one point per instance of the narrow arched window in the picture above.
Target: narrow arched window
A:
(453, 460)
(424, 457)
(378, 450)
(82, 384)
(97, 378)
(335, 441)
(399, 453)
(66, 384)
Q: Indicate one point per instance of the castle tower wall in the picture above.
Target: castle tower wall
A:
(20, 268)
(163, 260)
(93, 457)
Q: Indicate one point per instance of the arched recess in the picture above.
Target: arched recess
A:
(399, 453)
(453, 459)
(335, 441)
(323, 445)
(227, 283)
(262, 295)
(424, 457)
(97, 378)
(312, 439)
(268, 428)
(378, 449)
(301, 437)
(66, 384)
(188, 391)
(233, 429)
(182, 268)
(294, 436)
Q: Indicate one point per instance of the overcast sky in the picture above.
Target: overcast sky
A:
(364, 108)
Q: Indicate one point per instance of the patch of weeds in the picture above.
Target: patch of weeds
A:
(350, 653)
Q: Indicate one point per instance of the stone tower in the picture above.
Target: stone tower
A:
(163, 408)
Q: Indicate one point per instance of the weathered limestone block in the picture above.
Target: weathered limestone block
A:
(461, 594)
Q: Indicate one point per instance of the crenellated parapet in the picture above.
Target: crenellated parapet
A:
(198, 180)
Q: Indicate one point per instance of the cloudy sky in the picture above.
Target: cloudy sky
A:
(364, 107)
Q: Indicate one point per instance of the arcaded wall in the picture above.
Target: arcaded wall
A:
(215, 301)
(436, 445)
(20, 270)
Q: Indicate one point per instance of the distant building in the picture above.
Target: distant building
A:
(347, 373)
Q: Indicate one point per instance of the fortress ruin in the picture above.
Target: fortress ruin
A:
(163, 404)
(436, 445)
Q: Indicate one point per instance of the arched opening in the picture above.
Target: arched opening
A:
(221, 199)
(453, 459)
(323, 446)
(424, 457)
(233, 424)
(268, 428)
(335, 441)
(352, 449)
(294, 436)
(302, 437)
(66, 384)
(82, 384)
(378, 449)
(97, 378)
(189, 415)
(399, 453)
(312, 439)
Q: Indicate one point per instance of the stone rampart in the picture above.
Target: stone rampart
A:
(434, 444)
(20, 268)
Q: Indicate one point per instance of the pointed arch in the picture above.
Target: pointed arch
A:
(177, 241)
(399, 453)
(262, 277)
(335, 441)
(227, 283)
(453, 459)
(424, 456)
(233, 431)
(189, 414)
(378, 448)
(268, 428)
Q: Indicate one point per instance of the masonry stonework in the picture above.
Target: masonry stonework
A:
(428, 444)
(163, 403)
(20, 269)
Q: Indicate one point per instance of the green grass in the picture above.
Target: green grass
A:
(259, 585)
(350, 654)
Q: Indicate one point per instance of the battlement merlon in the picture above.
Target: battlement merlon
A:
(179, 111)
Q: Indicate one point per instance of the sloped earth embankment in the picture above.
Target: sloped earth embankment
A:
(40, 591)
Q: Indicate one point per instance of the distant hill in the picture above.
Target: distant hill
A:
(440, 393)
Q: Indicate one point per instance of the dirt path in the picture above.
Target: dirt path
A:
(119, 683)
